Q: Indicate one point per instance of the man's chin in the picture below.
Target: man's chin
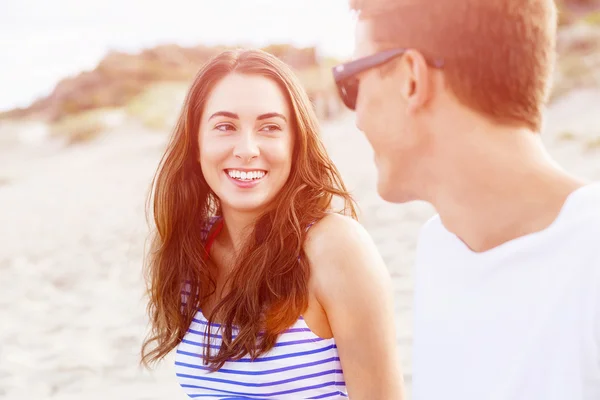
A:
(394, 192)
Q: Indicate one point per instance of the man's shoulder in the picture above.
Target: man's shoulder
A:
(432, 235)
(582, 210)
(434, 222)
(432, 228)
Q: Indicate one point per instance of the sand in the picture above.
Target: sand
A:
(73, 231)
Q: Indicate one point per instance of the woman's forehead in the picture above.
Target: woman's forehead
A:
(247, 95)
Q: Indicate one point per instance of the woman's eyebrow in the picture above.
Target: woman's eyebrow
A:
(271, 115)
(227, 114)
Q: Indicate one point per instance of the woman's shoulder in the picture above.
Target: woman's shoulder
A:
(334, 224)
(345, 264)
(337, 237)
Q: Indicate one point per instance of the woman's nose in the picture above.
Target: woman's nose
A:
(246, 147)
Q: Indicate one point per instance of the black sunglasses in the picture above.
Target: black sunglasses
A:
(345, 74)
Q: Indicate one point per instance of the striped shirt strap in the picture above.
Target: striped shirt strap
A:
(218, 226)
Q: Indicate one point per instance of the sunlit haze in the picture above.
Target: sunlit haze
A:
(42, 42)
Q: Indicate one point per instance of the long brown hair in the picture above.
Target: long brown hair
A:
(270, 278)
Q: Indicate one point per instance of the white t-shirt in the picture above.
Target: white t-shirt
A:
(518, 322)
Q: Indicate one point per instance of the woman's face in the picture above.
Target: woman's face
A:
(246, 141)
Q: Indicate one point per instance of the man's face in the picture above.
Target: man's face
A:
(383, 115)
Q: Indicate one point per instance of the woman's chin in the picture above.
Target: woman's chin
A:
(247, 205)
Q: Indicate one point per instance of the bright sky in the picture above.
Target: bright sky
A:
(42, 41)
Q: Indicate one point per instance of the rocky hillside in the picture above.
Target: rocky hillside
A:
(120, 77)
(133, 81)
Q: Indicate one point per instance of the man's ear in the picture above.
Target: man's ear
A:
(414, 76)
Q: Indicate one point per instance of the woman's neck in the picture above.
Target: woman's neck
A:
(237, 226)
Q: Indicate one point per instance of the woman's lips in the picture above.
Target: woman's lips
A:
(245, 178)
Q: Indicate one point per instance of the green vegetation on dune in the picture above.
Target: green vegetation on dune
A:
(158, 106)
(592, 18)
(593, 144)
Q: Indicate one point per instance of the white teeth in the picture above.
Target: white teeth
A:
(245, 175)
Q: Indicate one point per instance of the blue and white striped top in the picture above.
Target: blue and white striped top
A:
(300, 366)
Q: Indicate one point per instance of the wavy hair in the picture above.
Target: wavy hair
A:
(269, 280)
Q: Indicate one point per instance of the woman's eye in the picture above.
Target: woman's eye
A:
(224, 127)
(270, 128)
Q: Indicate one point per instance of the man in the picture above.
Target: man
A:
(450, 94)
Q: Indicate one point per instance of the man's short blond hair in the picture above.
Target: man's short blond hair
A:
(499, 54)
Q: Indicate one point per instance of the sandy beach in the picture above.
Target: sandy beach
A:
(73, 231)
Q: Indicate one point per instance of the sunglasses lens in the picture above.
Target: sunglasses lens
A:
(348, 92)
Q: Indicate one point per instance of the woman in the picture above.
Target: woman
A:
(262, 288)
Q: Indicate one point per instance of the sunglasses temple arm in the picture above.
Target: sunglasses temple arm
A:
(350, 69)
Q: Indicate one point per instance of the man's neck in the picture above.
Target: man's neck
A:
(497, 192)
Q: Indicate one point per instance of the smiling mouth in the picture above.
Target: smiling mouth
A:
(246, 175)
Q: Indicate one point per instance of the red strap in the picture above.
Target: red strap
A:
(213, 235)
